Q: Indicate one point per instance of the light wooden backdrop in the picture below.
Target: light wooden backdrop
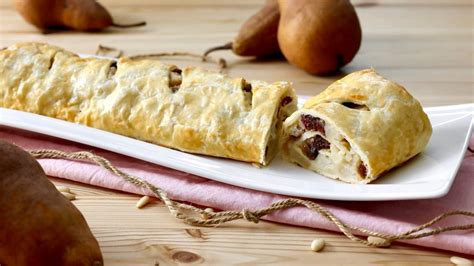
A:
(426, 45)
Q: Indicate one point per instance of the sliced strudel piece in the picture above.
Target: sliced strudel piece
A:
(358, 128)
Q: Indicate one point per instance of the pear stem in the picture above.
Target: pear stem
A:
(220, 62)
(227, 46)
(138, 24)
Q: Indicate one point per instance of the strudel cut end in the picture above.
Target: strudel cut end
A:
(358, 128)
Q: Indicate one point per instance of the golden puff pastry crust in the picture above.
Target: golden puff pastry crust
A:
(191, 110)
(358, 128)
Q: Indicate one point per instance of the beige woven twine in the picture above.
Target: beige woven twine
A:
(199, 217)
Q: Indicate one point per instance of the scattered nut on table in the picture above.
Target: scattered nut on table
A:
(317, 244)
(460, 261)
(69, 196)
(63, 189)
(205, 215)
(142, 202)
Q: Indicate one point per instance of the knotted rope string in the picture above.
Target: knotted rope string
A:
(200, 217)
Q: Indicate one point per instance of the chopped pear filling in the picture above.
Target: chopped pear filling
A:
(320, 147)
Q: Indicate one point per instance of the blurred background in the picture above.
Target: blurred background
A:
(426, 45)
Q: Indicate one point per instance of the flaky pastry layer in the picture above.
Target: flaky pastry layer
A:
(192, 109)
(358, 128)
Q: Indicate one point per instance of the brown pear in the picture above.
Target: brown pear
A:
(258, 35)
(38, 225)
(83, 15)
(318, 36)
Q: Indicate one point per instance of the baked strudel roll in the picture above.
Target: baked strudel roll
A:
(191, 110)
(358, 128)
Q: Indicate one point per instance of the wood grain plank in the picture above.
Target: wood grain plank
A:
(426, 45)
(128, 235)
(429, 51)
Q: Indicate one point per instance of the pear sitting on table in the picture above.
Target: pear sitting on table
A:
(39, 226)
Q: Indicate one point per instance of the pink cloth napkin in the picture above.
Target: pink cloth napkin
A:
(387, 216)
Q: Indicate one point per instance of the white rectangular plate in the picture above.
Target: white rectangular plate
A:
(428, 175)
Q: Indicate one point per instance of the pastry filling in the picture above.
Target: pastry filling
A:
(175, 79)
(318, 146)
(51, 62)
(356, 106)
(286, 101)
(112, 69)
(282, 113)
(313, 145)
(247, 90)
(313, 123)
(362, 170)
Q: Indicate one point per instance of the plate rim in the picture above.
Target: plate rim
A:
(440, 191)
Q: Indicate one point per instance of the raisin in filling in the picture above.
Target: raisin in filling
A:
(313, 123)
(286, 101)
(362, 170)
(312, 146)
(248, 94)
(175, 79)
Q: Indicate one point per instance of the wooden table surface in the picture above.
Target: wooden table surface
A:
(426, 45)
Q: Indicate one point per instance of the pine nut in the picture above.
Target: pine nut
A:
(69, 196)
(142, 202)
(460, 261)
(63, 189)
(317, 244)
(206, 211)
